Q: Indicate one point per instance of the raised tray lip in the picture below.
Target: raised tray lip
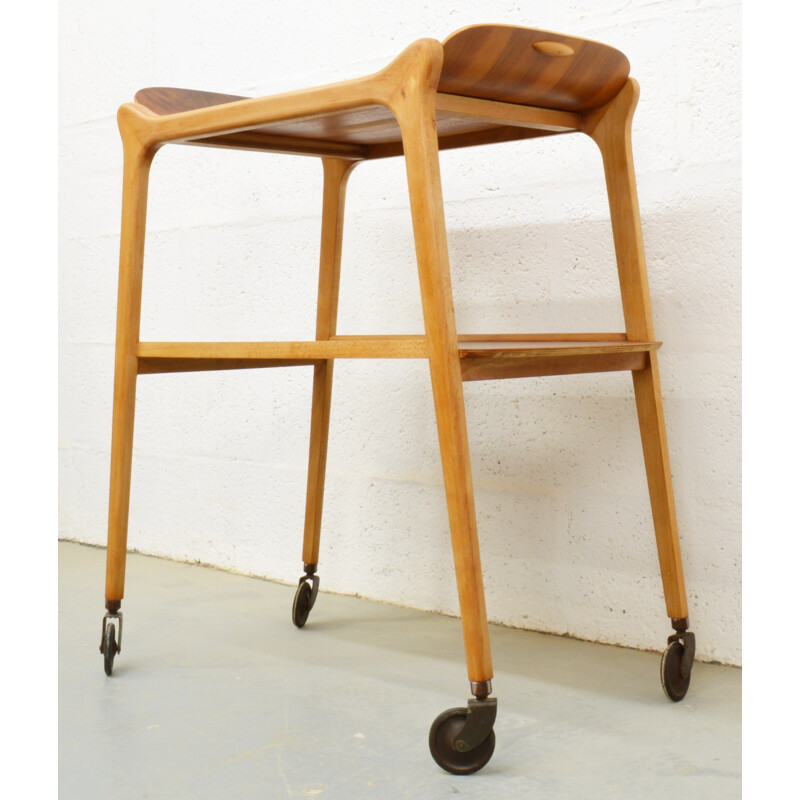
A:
(506, 25)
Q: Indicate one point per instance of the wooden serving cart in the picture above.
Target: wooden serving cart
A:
(484, 84)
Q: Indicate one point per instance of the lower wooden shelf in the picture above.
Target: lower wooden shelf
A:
(483, 357)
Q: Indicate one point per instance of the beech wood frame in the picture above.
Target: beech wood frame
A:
(408, 88)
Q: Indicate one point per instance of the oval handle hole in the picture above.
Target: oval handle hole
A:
(553, 48)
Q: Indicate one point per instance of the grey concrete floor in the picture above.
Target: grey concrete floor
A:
(217, 695)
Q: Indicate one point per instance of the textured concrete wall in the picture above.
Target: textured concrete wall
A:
(220, 459)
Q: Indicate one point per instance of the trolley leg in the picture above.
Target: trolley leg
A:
(134, 207)
(461, 739)
(656, 458)
(610, 127)
(336, 174)
(420, 145)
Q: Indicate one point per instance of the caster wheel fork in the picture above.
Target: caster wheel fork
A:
(110, 643)
(677, 661)
(462, 740)
(305, 596)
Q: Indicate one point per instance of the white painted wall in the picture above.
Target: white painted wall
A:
(220, 459)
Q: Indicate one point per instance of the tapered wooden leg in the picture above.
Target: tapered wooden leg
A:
(417, 120)
(611, 129)
(650, 409)
(129, 297)
(336, 173)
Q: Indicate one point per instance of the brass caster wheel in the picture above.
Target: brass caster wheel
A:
(110, 642)
(304, 598)
(109, 648)
(462, 740)
(676, 666)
